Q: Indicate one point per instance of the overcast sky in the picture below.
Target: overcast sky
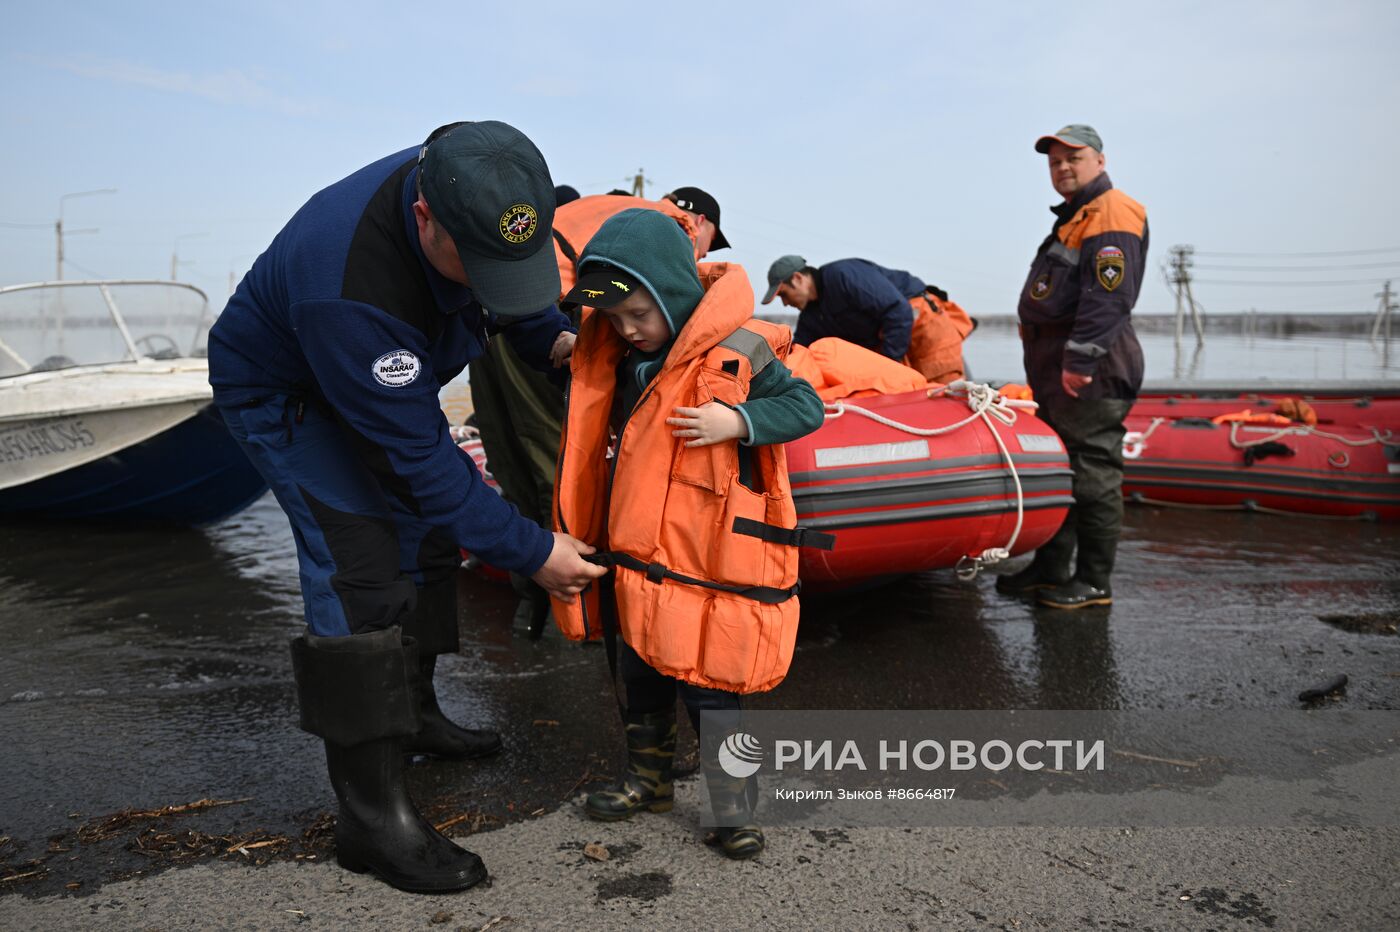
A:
(900, 132)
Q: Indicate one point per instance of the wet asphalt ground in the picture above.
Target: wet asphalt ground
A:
(149, 669)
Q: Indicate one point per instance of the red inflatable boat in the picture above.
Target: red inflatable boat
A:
(901, 499)
(1181, 449)
(908, 483)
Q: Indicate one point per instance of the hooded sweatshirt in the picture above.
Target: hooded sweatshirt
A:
(650, 246)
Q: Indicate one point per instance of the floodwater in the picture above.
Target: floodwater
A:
(993, 353)
(144, 668)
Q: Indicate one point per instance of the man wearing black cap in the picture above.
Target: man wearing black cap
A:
(520, 413)
(326, 366)
(1083, 362)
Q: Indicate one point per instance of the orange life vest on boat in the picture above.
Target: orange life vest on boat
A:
(577, 221)
(705, 568)
(935, 343)
(838, 368)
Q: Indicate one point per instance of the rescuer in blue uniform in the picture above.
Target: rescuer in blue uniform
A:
(326, 365)
(854, 299)
(885, 310)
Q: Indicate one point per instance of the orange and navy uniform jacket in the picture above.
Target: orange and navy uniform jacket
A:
(1075, 307)
(577, 221)
(686, 535)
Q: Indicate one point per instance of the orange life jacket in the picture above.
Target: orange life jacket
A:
(935, 343)
(838, 368)
(670, 510)
(1249, 417)
(577, 221)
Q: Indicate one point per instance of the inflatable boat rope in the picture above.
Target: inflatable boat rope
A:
(986, 403)
(1135, 442)
(1303, 430)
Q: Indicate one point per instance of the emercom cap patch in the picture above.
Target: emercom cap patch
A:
(396, 369)
(518, 223)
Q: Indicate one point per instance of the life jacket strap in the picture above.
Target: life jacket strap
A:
(566, 247)
(657, 572)
(788, 537)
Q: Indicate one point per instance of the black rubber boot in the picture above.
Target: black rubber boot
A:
(355, 694)
(646, 783)
(378, 830)
(1093, 569)
(438, 736)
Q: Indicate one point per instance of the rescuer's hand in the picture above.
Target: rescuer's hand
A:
(1072, 382)
(566, 572)
(563, 348)
(710, 423)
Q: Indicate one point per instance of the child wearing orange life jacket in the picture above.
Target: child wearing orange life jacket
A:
(692, 510)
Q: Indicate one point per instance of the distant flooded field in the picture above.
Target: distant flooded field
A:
(1236, 348)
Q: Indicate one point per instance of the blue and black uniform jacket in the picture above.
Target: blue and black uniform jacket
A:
(344, 310)
(864, 303)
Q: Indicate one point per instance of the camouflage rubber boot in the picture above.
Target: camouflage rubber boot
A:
(731, 800)
(646, 784)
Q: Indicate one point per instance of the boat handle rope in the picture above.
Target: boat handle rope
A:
(1303, 430)
(986, 403)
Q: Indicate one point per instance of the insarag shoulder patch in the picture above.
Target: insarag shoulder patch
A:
(1108, 267)
(396, 369)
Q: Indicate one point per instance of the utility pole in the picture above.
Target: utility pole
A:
(1383, 312)
(58, 225)
(639, 183)
(1181, 281)
(175, 252)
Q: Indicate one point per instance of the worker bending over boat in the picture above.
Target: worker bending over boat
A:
(519, 411)
(692, 510)
(1083, 361)
(326, 366)
(885, 310)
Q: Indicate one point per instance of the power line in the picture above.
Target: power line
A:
(1349, 281)
(1298, 255)
(25, 226)
(1300, 268)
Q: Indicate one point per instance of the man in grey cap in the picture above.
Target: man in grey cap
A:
(885, 310)
(1083, 362)
(326, 366)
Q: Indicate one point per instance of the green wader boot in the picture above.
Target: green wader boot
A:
(1090, 585)
(1049, 568)
(1040, 574)
(646, 784)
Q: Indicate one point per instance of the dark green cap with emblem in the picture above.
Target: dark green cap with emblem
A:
(1075, 135)
(489, 187)
(780, 271)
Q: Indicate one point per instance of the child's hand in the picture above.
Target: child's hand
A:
(563, 348)
(710, 423)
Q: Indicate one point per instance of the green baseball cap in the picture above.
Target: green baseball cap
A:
(489, 187)
(780, 271)
(1075, 135)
